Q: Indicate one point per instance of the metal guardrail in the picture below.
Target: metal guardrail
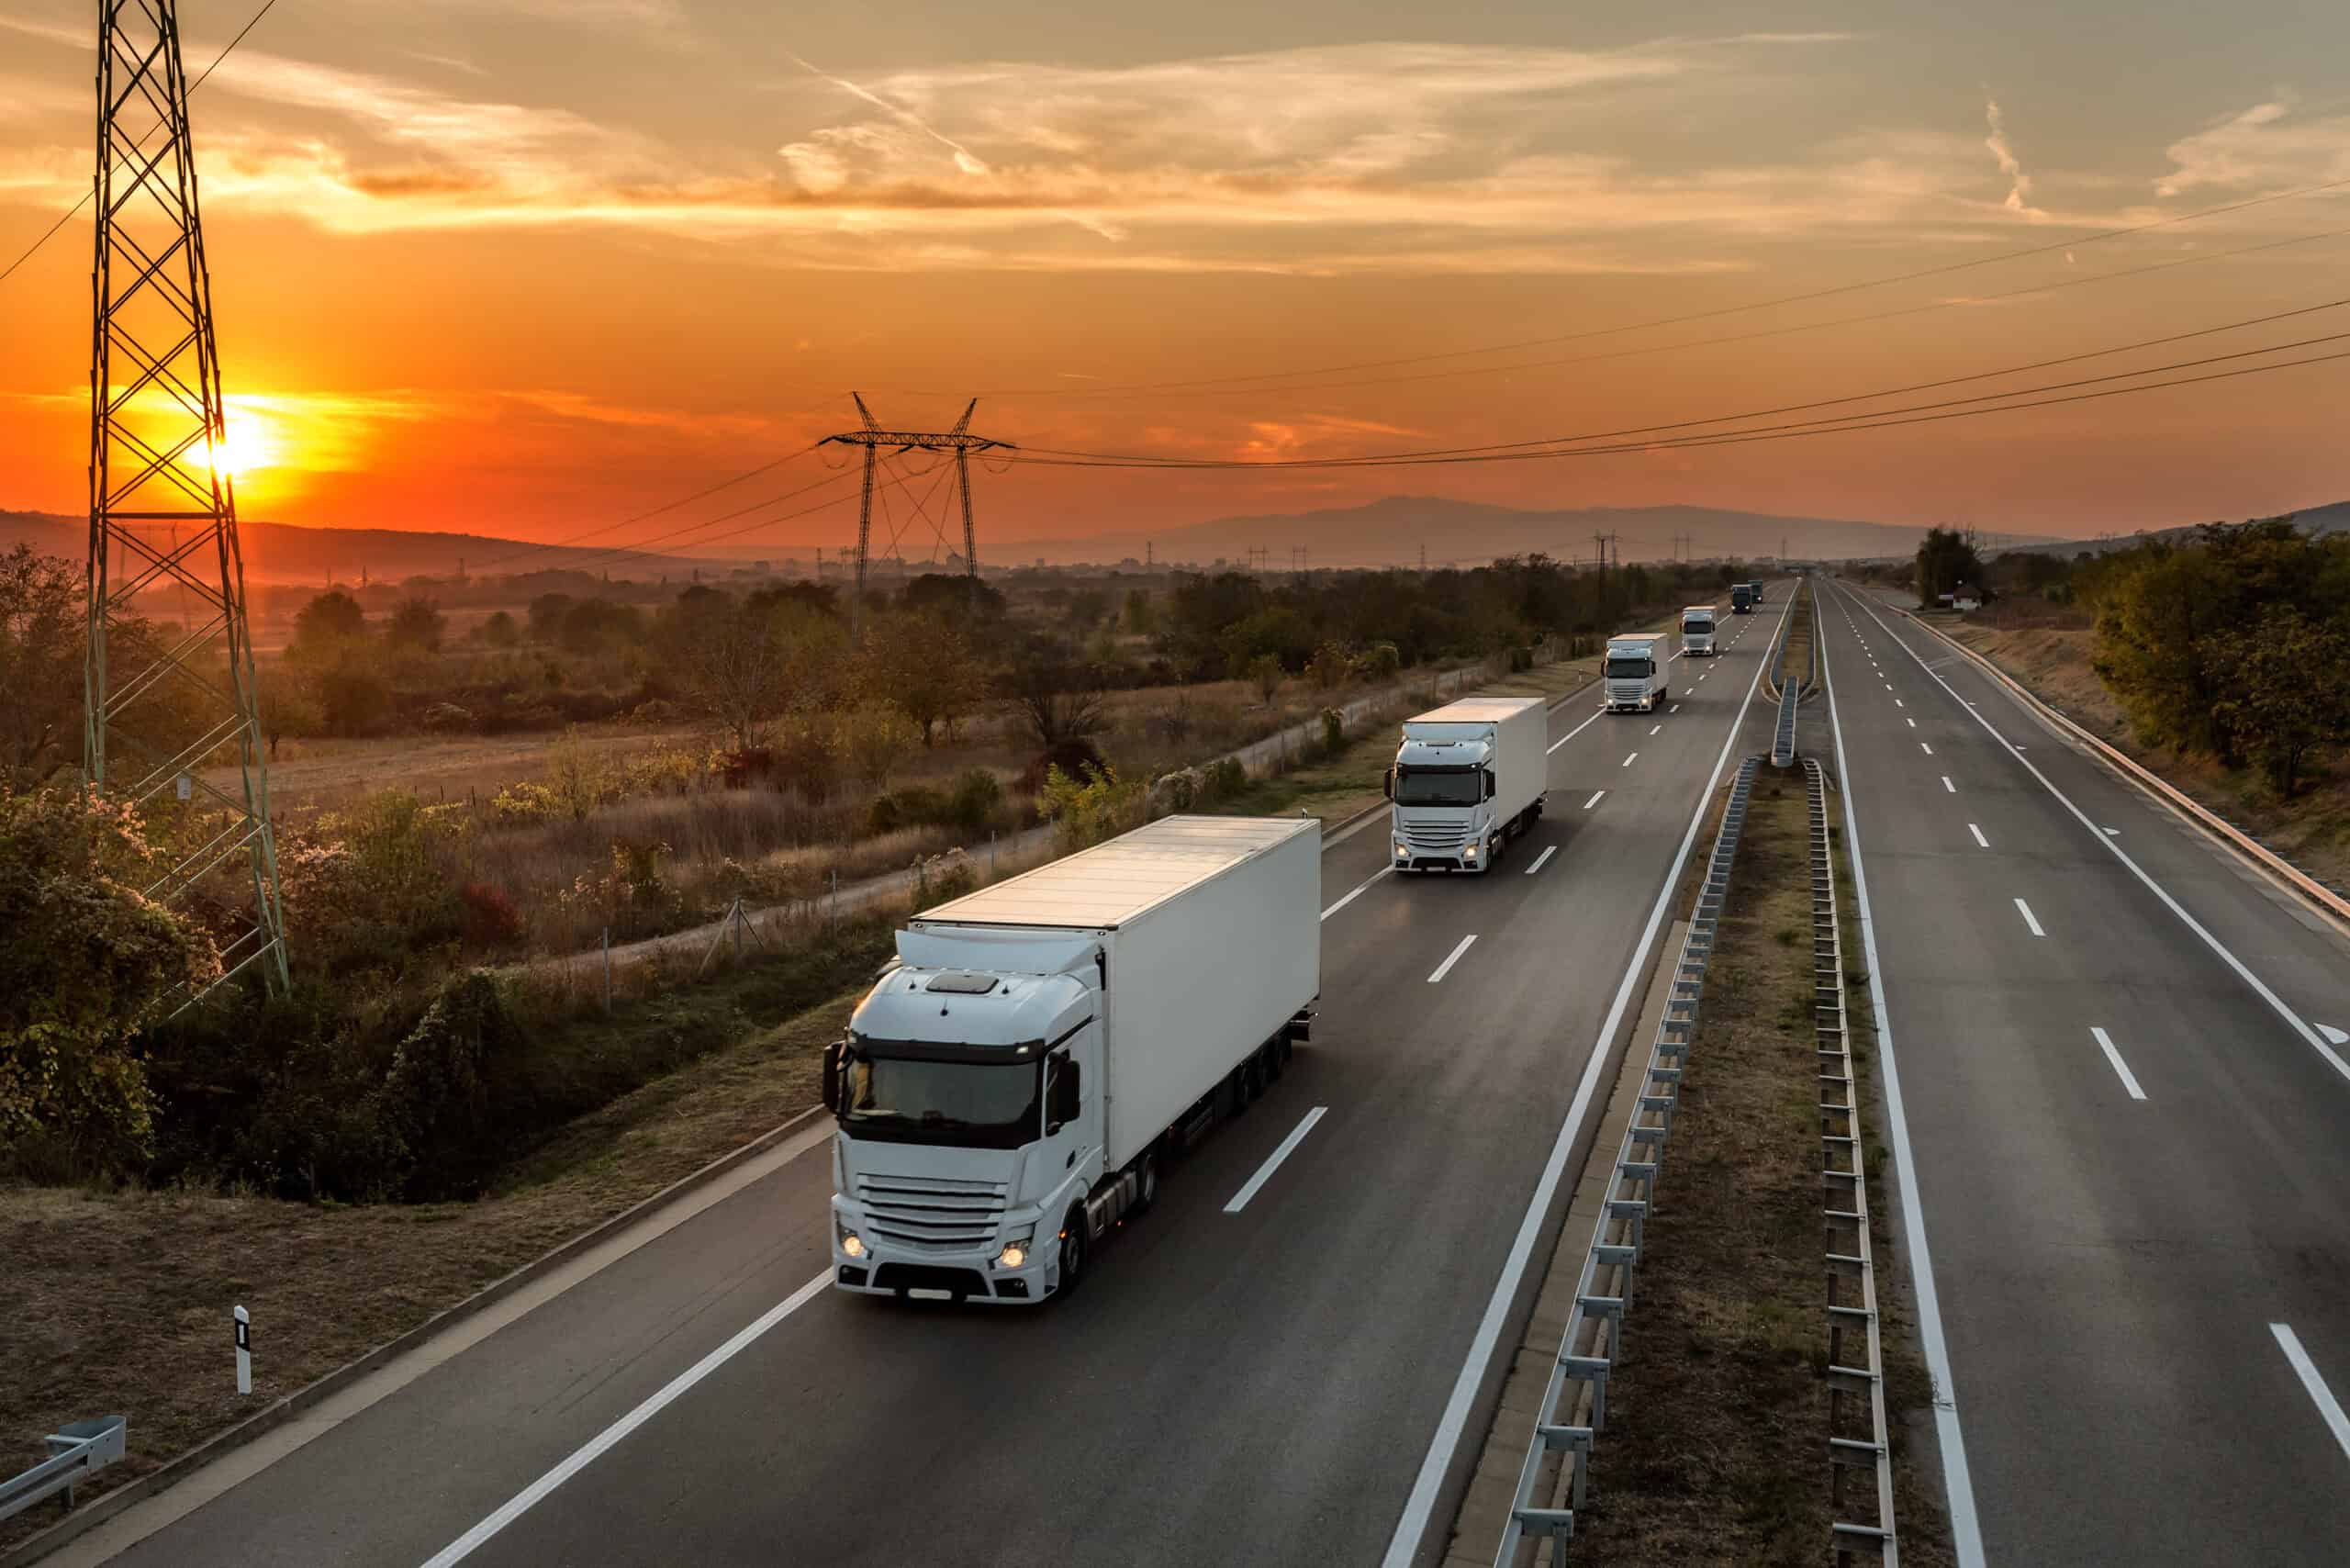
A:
(1574, 1402)
(79, 1451)
(1783, 735)
(1858, 1439)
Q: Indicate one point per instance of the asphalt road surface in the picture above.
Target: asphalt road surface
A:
(2128, 1133)
(1258, 1386)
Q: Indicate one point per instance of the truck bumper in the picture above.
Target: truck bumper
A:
(952, 1276)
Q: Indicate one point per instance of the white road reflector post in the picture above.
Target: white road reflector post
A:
(245, 1351)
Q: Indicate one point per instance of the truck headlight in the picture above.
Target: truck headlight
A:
(851, 1243)
(1402, 850)
(1015, 1251)
(1470, 854)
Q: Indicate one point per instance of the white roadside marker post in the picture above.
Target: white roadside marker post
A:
(245, 1351)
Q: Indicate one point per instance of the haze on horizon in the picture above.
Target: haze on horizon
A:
(523, 268)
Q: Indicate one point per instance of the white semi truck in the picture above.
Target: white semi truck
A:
(1635, 680)
(1468, 778)
(1697, 631)
(1015, 1082)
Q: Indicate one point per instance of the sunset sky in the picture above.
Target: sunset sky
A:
(526, 267)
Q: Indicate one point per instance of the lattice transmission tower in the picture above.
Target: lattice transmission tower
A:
(163, 705)
(959, 440)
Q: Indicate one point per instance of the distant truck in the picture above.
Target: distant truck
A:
(1742, 598)
(1635, 679)
(1756, 588)
(1697, 631)
(1015, 1082)
(1467, 779)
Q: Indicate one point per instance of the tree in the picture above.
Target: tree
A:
(2287, 680)
(42, 635)
(871, 739)
(953, 596)
(1946, 558)
(328, 621)
(289, 705)
(1265, 674)
(416, 623)
(1141, 616)
(745, 667)
(925, 666)
(546, 615)
(1059, 698)
(500, 631)
(90, 961)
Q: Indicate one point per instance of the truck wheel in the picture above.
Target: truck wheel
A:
(1072, 1251)
(1146, 1183)
(1245, 1084)
(1271, 1056)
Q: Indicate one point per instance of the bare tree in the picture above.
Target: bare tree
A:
(1059, 698)
(746, 666)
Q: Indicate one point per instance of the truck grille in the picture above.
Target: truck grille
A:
(1436, 837)
(1626, 691)
(920, 1211)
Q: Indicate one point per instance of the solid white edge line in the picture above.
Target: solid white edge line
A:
(1451, 958)
(595, 1448)
(1978, 834)
(2025, 909)
(1361, 888)
(1405, 1544)
(2129, 1079)
(1958, 1487)
(1273, 1161)
(2328, 1407)
(1574, 733)
(1543, 859)
(2276, 1004)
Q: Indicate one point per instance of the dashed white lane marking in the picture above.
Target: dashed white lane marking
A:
(1594, 800)
(2025, 909)
(1977, 833)
(1948, 785)
(1924, 747)
(1451, 958)
(1543, 859)
(1658, 728)
(2329, 1408)
(1360, 889)
(1628, 761)
(2128, 1079)
(1273, 1162)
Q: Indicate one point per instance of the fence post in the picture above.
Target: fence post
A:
(737, 924)
(608, 971)
(835, 917)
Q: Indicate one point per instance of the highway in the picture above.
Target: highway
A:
(1265, 1370)
(2125, 1131)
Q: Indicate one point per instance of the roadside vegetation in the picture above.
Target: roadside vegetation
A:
(2221, 663)
(1717, 1450)
(442, 1028)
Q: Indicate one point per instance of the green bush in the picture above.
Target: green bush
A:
(974, 799)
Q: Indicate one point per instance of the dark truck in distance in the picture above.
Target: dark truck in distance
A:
(1742, 598)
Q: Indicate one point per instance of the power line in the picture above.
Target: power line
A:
(67, 216)
(1120, 388)
(573, 540)
(1880, 420)
(1046, 454)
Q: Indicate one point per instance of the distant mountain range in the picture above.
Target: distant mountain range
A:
(287, 553)
(1398, 529)
(2333, 518)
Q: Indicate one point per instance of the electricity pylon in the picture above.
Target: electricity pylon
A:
(872, 438)
(163, 508)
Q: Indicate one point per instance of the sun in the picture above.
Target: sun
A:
(245, 446)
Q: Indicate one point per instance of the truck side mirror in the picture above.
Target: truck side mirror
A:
(1387, 783)
(1489, 783)
(832, 1076)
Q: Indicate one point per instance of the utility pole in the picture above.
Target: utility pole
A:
(156, 434)
(959, 442)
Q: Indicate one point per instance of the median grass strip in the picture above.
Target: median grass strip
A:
(1715, 1451)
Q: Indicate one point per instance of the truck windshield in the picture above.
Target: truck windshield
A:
(1438, 787)
(1629, 669)
(966, 1104)
(1697, 627)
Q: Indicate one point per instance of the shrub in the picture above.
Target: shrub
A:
(1087, 810)
(1222, 779)
(1076, 757)
(490, 918)
(974, 799)
(1379, 662)
(446, 717)
(942, 878)
(1334, 730)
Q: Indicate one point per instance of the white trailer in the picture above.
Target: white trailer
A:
(1635, 680)
(1013, 1086)
(1697, 632)
(1467, 779)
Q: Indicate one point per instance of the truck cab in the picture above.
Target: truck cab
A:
(1635, 680)
(1742, 598)
(1467, 779)
(970, 1121)
(1697, 632)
